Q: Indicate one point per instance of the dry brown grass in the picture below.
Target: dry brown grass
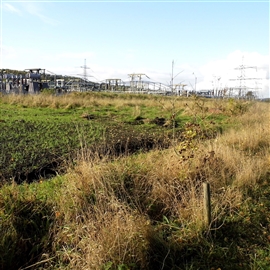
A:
(98, 228)
(113, 205)
(84, 100)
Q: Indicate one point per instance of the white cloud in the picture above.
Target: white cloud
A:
(10, 8)
(37, 10)
(46, 19)
(33, 8)
(226, 72)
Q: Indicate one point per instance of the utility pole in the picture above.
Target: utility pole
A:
(195, 81)
(173, 77)
(216, 85)
(172, 74)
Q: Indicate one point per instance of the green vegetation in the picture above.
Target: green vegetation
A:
(39, 134)
(140, 209)
(33, 138)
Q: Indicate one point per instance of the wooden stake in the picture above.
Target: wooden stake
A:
(207, 202)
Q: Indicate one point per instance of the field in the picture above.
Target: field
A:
(114, 181)
(39, 133)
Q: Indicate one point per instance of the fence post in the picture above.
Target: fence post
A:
(207, 202)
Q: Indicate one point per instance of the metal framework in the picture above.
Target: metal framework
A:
(85, 76)
(136, 84)
(242, 88)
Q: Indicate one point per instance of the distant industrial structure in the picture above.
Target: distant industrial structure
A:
(35, 80)
(28, 82)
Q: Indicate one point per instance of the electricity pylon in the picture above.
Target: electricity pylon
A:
(242, 78)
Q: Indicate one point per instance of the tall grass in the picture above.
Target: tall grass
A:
(84, 100)
(79, 100)
(145, 211)
(163, 194)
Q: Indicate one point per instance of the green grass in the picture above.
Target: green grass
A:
(33, 138)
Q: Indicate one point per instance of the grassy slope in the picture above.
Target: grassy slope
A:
(145, 211)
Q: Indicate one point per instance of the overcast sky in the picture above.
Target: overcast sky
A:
(206, 40)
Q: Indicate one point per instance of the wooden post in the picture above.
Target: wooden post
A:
(207, 202)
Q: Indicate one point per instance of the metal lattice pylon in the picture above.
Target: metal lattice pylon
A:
(242, 88)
